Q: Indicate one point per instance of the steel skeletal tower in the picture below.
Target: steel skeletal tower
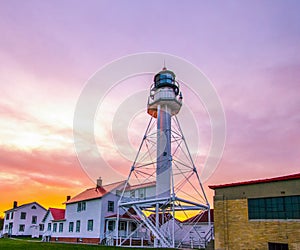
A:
(165, 162)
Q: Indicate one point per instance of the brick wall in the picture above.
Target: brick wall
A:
(233, 230)
(76, 240)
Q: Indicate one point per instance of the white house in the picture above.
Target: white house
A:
(53, 222)
(84, 218)
(24, 220)
(197, 230)
(90, 217)
(130, 230)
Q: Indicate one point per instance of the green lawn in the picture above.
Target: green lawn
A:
(24, 244)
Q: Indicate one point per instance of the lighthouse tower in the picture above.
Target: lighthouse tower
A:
(164, 101)
(165, 175)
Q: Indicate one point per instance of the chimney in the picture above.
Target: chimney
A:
(15, 204)
(99, 182)
(68, 197)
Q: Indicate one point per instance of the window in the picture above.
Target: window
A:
(110, 206)
(6, 227)
(54, 227)
(133, 226)
(7, 216)
(33, 219)
(286, 207)
(49, 227)
(33, 207)
(111, 225)
(277, 246)
(78, 226)
(90, 225)
(61, 227)
(81, 206)
(21, 228)
(11, 215)
(132, 193)
(42, 227)
(23, 216)
(122, 226)
(71, 226)
(142, 193)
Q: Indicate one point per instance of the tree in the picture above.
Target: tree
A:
(1, 222)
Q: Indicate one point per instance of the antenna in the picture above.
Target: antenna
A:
(164, 68)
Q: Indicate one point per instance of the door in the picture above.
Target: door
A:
(10, 226)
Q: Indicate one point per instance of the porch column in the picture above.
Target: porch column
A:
(127, 228)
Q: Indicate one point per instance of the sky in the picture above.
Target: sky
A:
(250, 51)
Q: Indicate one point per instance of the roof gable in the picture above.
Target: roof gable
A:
(201, 217)
(25, 206)
(55, 213)
(46, 215)
(95, 193)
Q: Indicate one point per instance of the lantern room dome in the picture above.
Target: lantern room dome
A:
(166, 78)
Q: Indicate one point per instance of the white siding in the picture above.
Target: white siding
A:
(48, 220)
(148, 192)
(29, 227)
(105, 212)
(92, 212)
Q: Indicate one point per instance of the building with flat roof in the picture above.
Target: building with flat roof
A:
(258, 214)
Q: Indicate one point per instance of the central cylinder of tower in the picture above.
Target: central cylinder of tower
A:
(164, 159)
(165, 100)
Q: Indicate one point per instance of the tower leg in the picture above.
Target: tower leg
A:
(156, 223)
(176, 177)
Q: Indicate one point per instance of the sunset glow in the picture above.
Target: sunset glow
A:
(49, 49)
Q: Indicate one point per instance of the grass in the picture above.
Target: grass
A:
(26, 244)
(28, 238)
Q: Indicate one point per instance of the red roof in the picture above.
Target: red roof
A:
(201, 217)
(281, 178)
(57, 213)
(96, 192)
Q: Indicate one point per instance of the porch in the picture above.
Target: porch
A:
(130, 232)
